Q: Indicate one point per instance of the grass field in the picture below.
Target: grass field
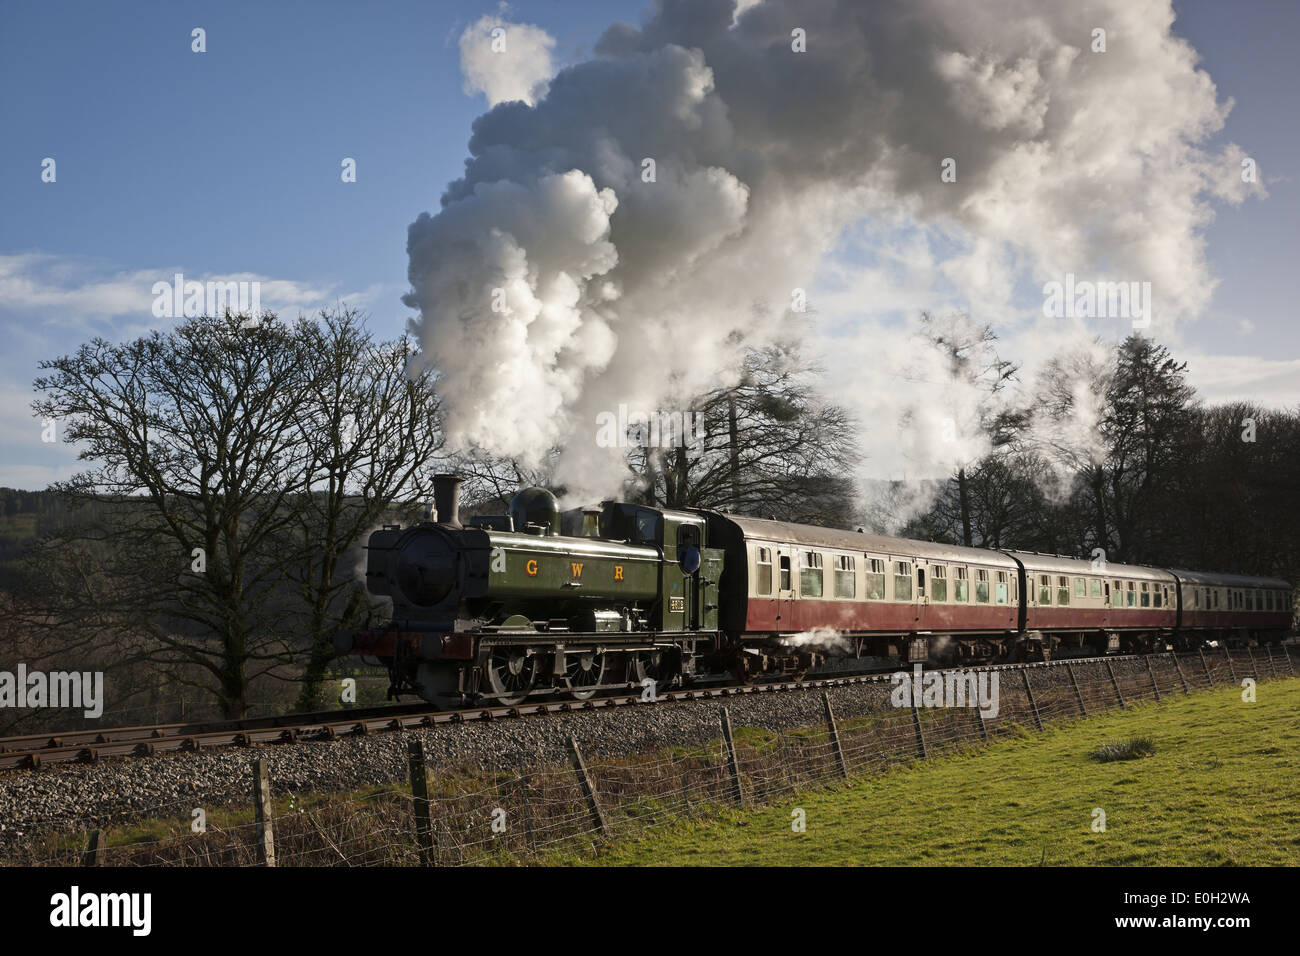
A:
(1222, 787)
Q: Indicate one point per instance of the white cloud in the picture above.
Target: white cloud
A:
(1247, 378)
(506, 61)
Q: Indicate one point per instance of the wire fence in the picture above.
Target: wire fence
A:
(524, 813)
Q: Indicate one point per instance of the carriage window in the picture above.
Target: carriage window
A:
(962, 585)
(1215, 594)
(785, 572)
(1044, 589)
(1080, 588)
(1132, 595)
(1117, 595)
(902, 581)
(1155, 598)
(846, 579)
(1095, 587)
(1268, 600)
(938, 582)
(1003, 592)
(1015, 588)
(981, 586)
(1146, 594)
(810, 574)
(763, 563)
(876, 580)
(1062, 590)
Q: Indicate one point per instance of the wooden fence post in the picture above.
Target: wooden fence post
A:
(1271, 666)
(920, 734)
(835, 736)
(1078, 694)
(979, 716)
(94, 855)
(1152, 671)
(1286, 655)
(1254, 665)
(263, 812)
(1181, 676)
(528, 809)
(737, 791)
(588, 788)
(1231, 670)
(419, 773)
(1206, 664)
(1114, 683)
(1033, 707)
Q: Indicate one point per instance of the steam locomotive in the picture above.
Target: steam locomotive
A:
(507, 606)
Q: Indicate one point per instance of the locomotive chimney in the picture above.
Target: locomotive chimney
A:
(446, 499)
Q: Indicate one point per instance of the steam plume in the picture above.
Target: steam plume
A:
(776, 170)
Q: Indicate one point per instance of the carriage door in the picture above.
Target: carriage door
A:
(784, 588)
(921, 615)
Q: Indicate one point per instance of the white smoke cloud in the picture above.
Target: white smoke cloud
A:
(506, 61)
(775, 170)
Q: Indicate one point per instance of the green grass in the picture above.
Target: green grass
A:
(1220, 787)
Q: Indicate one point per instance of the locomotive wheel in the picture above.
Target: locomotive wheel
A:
(511, 673)
(656, 665)
(582, 672)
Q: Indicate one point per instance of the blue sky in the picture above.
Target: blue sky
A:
(228, 162)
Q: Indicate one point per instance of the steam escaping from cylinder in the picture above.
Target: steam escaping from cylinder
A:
(825, 639)
(718, 178)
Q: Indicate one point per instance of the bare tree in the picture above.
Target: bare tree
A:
(772, 445)
(369, 434)
(219, 446)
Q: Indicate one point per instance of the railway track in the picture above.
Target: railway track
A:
(33, 751)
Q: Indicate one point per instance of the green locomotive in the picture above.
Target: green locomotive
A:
(507, 606)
